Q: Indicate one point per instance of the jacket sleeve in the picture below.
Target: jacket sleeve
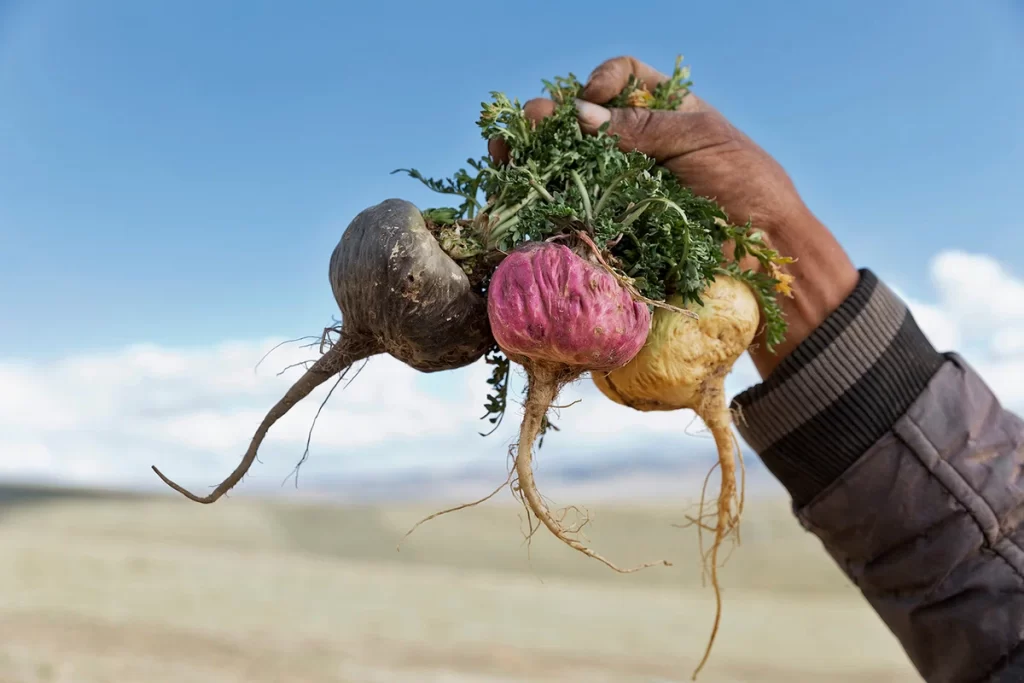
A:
(903, 463)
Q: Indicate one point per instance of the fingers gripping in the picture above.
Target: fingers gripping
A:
(612, 76)
(662, 135)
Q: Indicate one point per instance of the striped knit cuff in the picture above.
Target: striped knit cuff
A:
(839, 392)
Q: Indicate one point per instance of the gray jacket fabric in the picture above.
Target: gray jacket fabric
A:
(903, 463)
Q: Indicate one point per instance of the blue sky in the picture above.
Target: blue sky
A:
(177, 173)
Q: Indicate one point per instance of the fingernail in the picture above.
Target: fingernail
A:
(592, 116)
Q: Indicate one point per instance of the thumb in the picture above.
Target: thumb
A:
(661, 134)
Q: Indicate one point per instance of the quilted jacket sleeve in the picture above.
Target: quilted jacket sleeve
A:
(901, 460)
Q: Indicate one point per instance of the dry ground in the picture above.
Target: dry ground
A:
(161, 590)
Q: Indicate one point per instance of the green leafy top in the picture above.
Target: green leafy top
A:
(657, 235)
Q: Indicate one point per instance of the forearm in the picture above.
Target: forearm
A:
(905, 466)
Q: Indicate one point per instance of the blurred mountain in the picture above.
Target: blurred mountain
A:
(632, 475)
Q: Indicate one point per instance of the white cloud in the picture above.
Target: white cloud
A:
(979, 313)
(1008, 342)
(104, 418)
(150, 405)
(978, 291)
(942, 330)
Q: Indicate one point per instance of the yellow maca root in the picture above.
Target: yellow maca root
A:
(683, 365)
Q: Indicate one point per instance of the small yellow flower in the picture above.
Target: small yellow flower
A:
(639, 98)
(785, 281)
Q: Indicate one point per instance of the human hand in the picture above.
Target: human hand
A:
(715, 159)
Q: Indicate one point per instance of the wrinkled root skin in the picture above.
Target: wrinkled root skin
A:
(545, 381)
(394, 283)
(607, 384)
(548, 304)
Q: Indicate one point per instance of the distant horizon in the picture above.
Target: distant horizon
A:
(625, 480)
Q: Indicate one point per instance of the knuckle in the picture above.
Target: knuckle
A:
(632, 125)
(611, 74)
(646, 123)
(713, 127)
(615, 63)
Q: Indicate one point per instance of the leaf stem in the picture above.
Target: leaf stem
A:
(540, 190)
(509, 217)
(500, 230)
(581, 186)
(608, 193)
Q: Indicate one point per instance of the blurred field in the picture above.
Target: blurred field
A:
(120, 589)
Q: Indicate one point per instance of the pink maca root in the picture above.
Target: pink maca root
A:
(559, 316)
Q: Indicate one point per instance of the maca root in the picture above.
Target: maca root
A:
(729, 505)
(545, 382)
(399, 293)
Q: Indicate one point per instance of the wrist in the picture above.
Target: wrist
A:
(823, 278)
(844, 387)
